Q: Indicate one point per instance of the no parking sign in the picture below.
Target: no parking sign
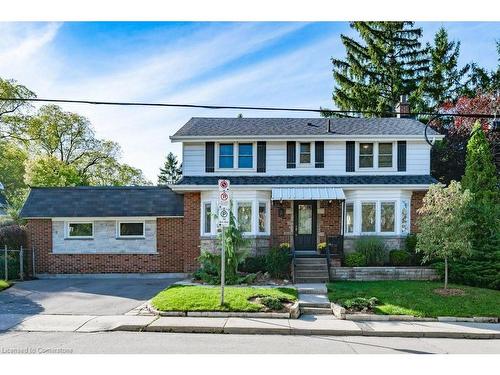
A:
(224, 203)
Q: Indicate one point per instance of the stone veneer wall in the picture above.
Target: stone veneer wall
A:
(382, 273)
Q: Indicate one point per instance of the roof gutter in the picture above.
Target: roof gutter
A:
(187, 188)
(332, 136)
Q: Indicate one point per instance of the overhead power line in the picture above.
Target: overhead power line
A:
(244, 108)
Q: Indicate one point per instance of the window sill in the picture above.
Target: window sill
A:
(131, 238)
(79, 238)
(103, 253)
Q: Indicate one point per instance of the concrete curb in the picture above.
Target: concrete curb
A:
(306, 325)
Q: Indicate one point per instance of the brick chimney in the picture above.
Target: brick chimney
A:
(403, 107)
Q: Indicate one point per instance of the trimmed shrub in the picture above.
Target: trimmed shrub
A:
(272, 303)
(360, 303)
(399, 258)
(253, 264)
(322, 248)
(355, 260)
(373, 249)
(278, 263)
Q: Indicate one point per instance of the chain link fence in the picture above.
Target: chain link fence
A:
(13, 263)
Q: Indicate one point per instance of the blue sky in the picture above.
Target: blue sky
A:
(274, 64)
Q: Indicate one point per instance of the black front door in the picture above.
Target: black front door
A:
(304, 222)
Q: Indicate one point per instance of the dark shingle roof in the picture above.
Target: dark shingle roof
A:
(103, 201)
(312, 180)
(222, 126)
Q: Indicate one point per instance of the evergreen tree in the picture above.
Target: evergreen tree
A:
(483, 80)
(171, 172)
(481, 179)
(387, 62)
(444, 80)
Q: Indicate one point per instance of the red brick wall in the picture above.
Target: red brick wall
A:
(168, 259)
(191, 234)
(330, 220)
(416, 203)
(281, 227)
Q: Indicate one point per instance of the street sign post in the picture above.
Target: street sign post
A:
(224, 213)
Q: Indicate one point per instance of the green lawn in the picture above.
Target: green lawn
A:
(4, 284)
(417, 298)
(202, 298)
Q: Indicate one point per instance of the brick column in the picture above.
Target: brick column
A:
(329, 218)
(40, 240)
(416, 202)
(191, 229)
(281, 227)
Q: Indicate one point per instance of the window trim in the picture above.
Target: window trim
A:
(246, 156)
(392, 155)
(219, 154)
(67, 231)
(372, 155)
(118, 229)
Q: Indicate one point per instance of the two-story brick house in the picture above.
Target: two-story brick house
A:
(295, 180)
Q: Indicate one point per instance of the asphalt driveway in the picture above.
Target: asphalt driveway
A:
(79, 296)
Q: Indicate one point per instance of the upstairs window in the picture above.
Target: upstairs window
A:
(245, 155)
(385, 155)
(226, 155)
(366, 155)
(305, 153)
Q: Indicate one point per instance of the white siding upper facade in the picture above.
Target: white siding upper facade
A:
(417, 159)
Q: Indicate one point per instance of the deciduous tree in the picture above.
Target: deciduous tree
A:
(445, 227)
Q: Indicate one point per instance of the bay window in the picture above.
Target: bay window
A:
(207, 218)
(244, 216)
(405, 216)
(349, 218)
(387, 217)
(368, 211)
(262, 217)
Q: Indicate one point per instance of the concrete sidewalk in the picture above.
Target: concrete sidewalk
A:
(305, 325)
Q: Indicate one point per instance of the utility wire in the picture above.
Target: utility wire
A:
(238, 107)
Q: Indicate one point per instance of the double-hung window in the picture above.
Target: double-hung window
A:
(226, 155)
(305, 153)
(366, 155)
(385, 155)
(245, 155)
(131, 229)
(80, 230)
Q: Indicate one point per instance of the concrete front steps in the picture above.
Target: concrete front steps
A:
(313, 299)
(311, 270)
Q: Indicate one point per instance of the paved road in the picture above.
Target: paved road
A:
(170, 343)
(79, 296)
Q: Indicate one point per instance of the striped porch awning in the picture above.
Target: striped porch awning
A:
(311, 193)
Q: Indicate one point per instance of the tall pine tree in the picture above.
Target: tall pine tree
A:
(386, 62)
(171, 171)
(444, 80)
